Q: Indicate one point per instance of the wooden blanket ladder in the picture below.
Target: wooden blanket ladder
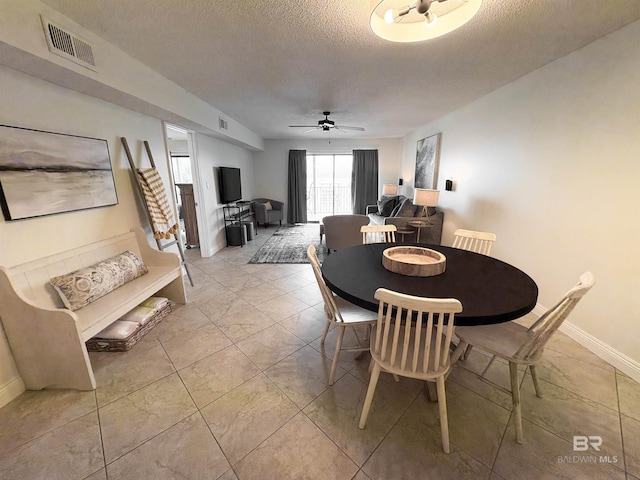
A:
(161, 246)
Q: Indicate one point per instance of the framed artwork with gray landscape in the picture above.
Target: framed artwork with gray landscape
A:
(44, 173)
(427, 159)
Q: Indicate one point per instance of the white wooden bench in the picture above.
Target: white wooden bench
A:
(48, 340)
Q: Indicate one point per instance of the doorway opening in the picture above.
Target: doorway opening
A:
(185, 188)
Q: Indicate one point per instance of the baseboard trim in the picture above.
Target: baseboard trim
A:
(619, 360)
(538, 310)
(10, 390)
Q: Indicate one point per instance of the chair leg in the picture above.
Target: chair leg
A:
(431, 391)
(444, 420)
(534, 377)
(336, 355)
(515, 395)
(458, 353)
(467, 352)
(488, 366)
(325, 331)
(373, 381)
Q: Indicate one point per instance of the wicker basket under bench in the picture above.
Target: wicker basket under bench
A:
(47, 340)
(102, 344)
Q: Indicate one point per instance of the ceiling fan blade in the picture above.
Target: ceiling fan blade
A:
(343, 127)
(313, 129)
(303, 126)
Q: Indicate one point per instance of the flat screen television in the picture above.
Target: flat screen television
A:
(230, 185)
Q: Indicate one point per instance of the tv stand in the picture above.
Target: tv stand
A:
(239, 223)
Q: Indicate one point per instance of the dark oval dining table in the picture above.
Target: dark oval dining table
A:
(490, 290)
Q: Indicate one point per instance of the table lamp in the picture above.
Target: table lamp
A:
(389, 189)
(425, 197)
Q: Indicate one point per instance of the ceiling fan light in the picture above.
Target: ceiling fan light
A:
(389, 16)
(422, 6)
(409, 22)
(430, 19)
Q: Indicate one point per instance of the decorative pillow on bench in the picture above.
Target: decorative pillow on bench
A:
(78, 289)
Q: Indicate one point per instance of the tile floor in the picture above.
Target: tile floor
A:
(233, 386)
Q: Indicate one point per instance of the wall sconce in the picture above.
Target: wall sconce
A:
(448, 185)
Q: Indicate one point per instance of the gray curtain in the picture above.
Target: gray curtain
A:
(297, 191)
(364, 180)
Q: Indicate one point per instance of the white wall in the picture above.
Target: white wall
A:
(32, 103)
(271, 164)
(213, 153)
(550, 163)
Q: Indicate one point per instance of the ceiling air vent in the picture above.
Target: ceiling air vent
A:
(68, 45)
(222, 124)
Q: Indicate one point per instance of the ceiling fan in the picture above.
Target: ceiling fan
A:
(326, 125)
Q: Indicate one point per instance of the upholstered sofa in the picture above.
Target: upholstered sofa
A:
(268, 211)
(399, 210)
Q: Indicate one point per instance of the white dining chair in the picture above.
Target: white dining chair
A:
(378, 233)
(341, 313)
(473, 241)
(415, 349)
(479, 242)
(520, 345)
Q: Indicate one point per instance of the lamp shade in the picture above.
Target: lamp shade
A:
(389, 189)
(425, 197)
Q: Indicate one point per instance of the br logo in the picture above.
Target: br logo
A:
(582, 443)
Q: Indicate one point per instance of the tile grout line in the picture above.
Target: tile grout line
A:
(624, 452)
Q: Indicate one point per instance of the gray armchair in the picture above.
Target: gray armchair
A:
(266, 216)
(343, 231)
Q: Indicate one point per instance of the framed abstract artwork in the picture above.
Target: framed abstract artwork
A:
(44, 173)
(427, 159)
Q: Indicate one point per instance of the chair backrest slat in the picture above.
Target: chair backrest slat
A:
(424, 348)
(479, 242)
(330, 307)
(543, 329)
(378, 233)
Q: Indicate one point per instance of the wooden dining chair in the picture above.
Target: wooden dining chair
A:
(413, 349)
(341, 313)
(520, 345)
(479, 242)
(378, 233)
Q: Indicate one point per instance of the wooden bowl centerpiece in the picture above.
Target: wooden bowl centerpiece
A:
(414, 261)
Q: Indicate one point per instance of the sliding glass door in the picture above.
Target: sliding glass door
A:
(328, 185)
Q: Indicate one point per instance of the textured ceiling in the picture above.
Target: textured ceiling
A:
(272, 63)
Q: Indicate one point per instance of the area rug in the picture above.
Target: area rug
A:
(289, 244)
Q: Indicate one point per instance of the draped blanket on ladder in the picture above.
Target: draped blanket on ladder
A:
(161, 215)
